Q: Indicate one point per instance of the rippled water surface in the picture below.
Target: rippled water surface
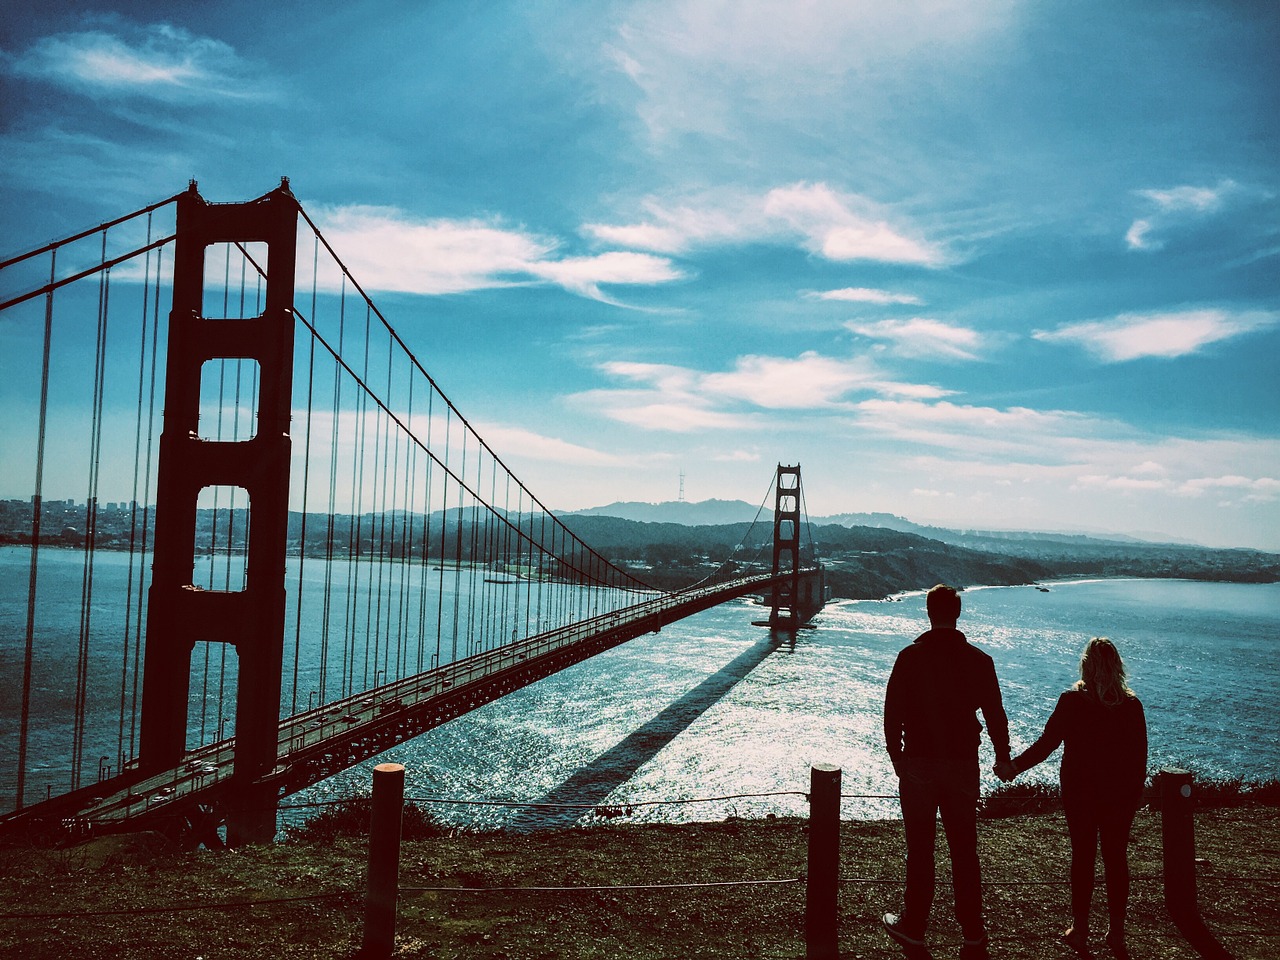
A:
(708, 708)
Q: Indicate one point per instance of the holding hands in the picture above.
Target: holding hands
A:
(1006, 770)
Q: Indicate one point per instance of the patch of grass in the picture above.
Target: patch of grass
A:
(1014, 799)
(350, 818)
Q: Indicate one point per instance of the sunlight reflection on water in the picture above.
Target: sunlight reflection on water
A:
(819, 699)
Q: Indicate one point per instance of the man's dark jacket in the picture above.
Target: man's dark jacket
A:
(936, 687)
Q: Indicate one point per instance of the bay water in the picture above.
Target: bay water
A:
(711, 707)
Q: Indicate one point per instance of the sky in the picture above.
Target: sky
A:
(979, 263)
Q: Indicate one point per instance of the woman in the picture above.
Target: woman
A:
(1104, 768)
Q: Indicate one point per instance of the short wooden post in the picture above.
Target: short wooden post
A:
(1177, 832)
(821, 907)
(384, 861)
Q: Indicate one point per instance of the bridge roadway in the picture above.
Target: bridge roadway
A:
(192, 799)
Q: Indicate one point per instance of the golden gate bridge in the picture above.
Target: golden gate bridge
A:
(293, 553)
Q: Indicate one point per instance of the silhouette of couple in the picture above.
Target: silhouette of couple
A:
(931, 730)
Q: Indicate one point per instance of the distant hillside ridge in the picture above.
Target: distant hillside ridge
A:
(716, 512)
(877, 559)
(703, 513)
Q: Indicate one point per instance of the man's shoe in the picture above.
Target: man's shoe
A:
(893, 927)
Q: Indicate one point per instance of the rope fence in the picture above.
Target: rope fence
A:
(820, 881)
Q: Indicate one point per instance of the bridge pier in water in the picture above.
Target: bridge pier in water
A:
(251, 620)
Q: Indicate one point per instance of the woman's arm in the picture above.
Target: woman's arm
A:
(1054, 733)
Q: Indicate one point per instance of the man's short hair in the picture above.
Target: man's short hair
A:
(943, 603)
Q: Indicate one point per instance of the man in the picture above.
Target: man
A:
(932, 733)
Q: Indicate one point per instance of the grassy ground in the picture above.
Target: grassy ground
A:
(1024, 859)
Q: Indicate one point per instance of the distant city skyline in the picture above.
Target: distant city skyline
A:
(977, 263)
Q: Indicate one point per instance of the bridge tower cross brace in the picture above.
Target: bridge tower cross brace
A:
(179, 614)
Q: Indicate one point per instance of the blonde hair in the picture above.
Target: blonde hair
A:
(1102, 672)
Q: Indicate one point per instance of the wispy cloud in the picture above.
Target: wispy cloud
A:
(390, 251)
(830, 223)
(694, 64)
(1131, 336)
(1228, 487)
(675, 398)
(1171, 206)
(678, 227)
(922, 337)
(842, 226)
(157, 61)
(810, 381)
(865, 295)
(519, 442)
(995, 432)
(583, 275)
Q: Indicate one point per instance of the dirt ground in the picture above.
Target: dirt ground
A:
(136, 897)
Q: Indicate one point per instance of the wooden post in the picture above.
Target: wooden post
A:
(1177, 832)
(821, 908)
(384, 861)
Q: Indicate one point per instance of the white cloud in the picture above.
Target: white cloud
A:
(994, 432)
(779, 383)
(584, 275)
(696, 64)
(842, 226)
(158, 61)
(388, 251)
(1172, 207)
(922, 337)
(707, 219)
(1134, 335)
(679, 398)
(675, 415)
(866, 295)
(1252, 489)
(516, 441)
(835, 225)
(1198, 199)
(1137, 239)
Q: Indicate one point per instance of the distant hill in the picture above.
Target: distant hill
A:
(703, 513)
(715, 512)
(876, 554)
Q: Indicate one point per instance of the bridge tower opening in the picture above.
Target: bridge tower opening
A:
(797, 594)
(250, 620)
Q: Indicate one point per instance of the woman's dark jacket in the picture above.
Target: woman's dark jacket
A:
(1105, 758)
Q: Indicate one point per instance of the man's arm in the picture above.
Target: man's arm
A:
(893, 717)
(994, 715)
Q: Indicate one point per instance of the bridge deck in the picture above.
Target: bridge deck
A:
(318, 743)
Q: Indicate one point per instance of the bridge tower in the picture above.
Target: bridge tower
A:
(796, 596)
(180, 614)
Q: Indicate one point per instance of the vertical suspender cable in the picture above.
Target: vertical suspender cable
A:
(410, 526)
(306, 487)
(133, 506)
(364, 433)
(444, 532)
(146, 503)
(91, 521)
(384, 439)
(36, 501)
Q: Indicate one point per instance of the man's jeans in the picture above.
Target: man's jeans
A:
(926, 786)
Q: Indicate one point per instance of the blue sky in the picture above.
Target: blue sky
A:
(980, 263)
